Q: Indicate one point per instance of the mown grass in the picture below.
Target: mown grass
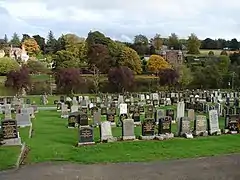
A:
(53, 141)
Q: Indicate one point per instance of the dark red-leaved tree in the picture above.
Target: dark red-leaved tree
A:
(168, 77)
(121, 77)
(68, 80)
(19, 80)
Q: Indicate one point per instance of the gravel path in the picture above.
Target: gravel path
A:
(212, 168)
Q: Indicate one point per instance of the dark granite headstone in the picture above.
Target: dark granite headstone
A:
(148, 127)
(9, 129)
(165, 125)
(86, 135)
(83, 119)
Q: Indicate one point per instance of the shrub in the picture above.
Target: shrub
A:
(36, 67)
(7, 65)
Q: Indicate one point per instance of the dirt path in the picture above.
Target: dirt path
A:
(213, 168)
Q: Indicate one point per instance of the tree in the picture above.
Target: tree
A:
(52, 44)
(121, 77)
(193, 44)
(157, 63)
(168, 77)
(77, 45)
(41, 42)
(15, 41)
(130, 58)
(5, 39)
(18, 80)
(96, 79)
(141, 45)
(36, 67)
(7, 65)
(141, 40)
(25, 37)
(68, 80)
(157, 42)
(99, 56)
(224, 62)
(173, 42)
(234, 44)
(65, 59)
(224, 52)
(210, 53)
(185, 76)
(31, 46)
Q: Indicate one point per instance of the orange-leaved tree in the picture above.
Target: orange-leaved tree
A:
(157, 63)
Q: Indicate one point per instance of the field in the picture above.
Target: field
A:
(53, 141)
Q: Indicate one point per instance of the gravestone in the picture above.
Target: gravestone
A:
(180, 110)
(111, 119)
(7, 111)
(94, 109)
(84, 110)
(23, 120)
(200, 126)
(213, 124)
(136, 118)
(73, 120)
(83, 119)
(64, 111)
(232, 124)
(128, 129)
(106, 132)
(185, 128)
(59, 106)
(97, 118)
(148, 128)
(123, 108)
(104, 111)
(131, 109)
(121, 118)
(86, 136)
(141, 109)
(165, 124)
(10, 133)
(191, 114)
(158, 114)
(74, 108)
(170, 112)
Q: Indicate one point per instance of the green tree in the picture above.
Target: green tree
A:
(193, 44)
(5, 39)
(36, 67)
(76, 45)
(157, 42)
(52, 44)
(210, 53)
(173, 42)
(41, 42)
(15, 41)
(224, 62)
(130, 58)
(65, 59)
(25, 37)
(185, 76)
(7, 65)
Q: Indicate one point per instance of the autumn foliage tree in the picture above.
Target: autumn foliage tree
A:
(68, 80)
(18, 80)
(31, 46)
(157, 63)
(130, 58)
(121, 77)
(168, 77)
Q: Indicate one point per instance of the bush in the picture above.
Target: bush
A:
(7, 65)
(36, 67)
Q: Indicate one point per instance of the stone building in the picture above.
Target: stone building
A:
(18, 53)
(174, 57)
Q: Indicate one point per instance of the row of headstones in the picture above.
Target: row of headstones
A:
(202, 127)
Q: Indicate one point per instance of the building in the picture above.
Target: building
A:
(173, 57)
(18, 53)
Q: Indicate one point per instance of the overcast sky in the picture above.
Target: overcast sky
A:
(122, 19)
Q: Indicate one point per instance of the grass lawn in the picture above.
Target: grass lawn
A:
(52, 141)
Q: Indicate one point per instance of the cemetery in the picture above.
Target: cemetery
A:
(118, 127)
